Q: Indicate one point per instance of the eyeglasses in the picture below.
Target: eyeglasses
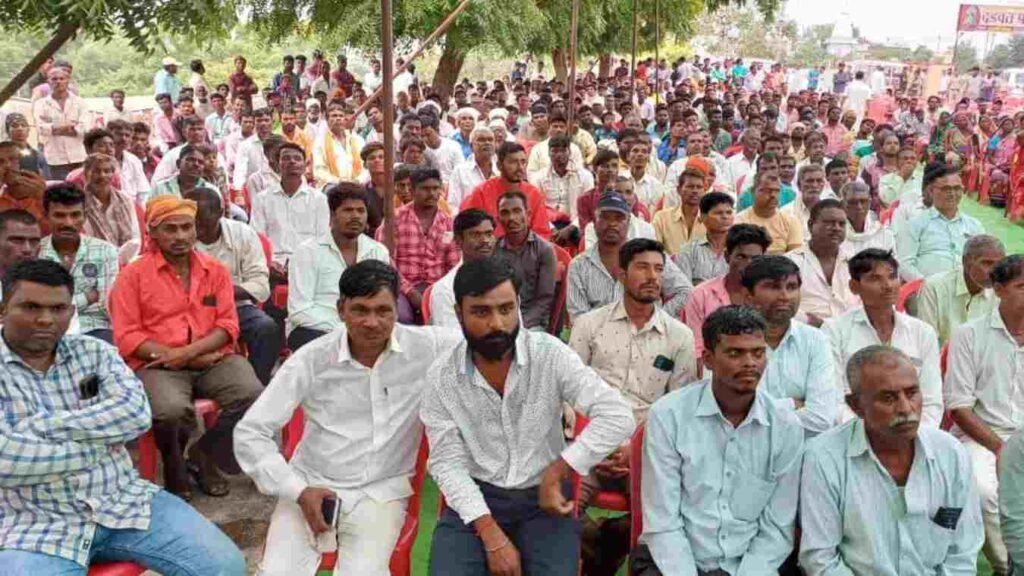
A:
(950, 189)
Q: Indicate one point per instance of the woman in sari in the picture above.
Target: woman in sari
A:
(960, 146)
(1001, 161)
(18, 131)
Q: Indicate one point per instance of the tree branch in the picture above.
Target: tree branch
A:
(64, 33)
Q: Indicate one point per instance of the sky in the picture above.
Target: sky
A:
(910, 22)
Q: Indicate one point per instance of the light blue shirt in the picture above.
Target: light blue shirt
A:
(930, 244)
(1011, 498)
(801, 368)
(856, 520)
(715, 496)
(166, 83)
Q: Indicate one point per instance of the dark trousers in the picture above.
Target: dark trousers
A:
(61, 171)
(301, 336)
(262, 339)
(105, 334)
(548, 545)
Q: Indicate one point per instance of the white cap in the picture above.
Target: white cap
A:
(498, 114)
(467, 111)
(497, 123)
(312, 102)
(169, 61)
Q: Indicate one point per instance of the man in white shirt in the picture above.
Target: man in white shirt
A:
(372, 79)
(360, 389)
(540, 156)
(874, 278)
(742, 164)
(858, 94)
(825, 289)
(317, 263)
(878, 82)
(862, 227)
(982, 389)
(563, 182)
(473, 230)
(134, 183)
(194, 132)
(249, 157)
(444, 153)
(480, 166)
(492, 412)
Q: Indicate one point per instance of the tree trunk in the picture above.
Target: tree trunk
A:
(560, 59)
(63, 34)
(604, 70)
(448, 68)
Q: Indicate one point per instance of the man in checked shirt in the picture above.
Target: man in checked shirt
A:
(68, 493)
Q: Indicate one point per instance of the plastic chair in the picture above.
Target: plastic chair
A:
(558, 314)
(401, 557)
(425, 306)
(906, 291)
(116, 569)
(886, 216)
(636, 468)
(149, 455)
(605, 500)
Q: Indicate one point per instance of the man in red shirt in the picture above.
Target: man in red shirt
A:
(512, 168)
(175, 323)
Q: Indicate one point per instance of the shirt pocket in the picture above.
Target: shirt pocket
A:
(750, 494)
(931, 541)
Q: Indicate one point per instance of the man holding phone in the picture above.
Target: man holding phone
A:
(347, 485)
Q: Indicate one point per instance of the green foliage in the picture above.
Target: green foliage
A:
(966, 57)
(1009, 55)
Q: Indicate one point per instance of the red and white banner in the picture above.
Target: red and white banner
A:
(981, 18)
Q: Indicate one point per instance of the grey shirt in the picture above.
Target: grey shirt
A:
(536, 264)
(699, 263)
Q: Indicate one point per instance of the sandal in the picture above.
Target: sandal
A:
(205, 474)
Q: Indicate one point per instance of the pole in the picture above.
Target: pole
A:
(64, 33)
(657, 46)
(956, 46)
(424, 46)
(387, 65)
(632, 66)
(573, 38)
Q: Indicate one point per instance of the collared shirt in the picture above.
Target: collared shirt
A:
(239, 249)
(561, 192)
(857, 520)
(422, 257)
(94, 267)
(262, 180)
(650, 190)
(486, 195)
(738, 167)
(985, 372)
(874, 236)
(168, 166)
(536, 263)
(540, 158)
(465, 177)
(148, 302)
(166, 83)
(313, 273)
(799, 211)
(591, 286)
(163, 129)
(670, 229)
(64, 470)
(644, 364)
(445, 157)
(249, 158)
(706, 298)
(61, 150)
(442, 300)
(698, 261)
(717, 496)
(219, 127)
(362, 428)
(134, 183)
(893, 187)
(836, 138)
(801, 368)
(787, 198)
(638, 228)
(930, 243)
(290, 220)
(823, 297)
(945, 302)
(786, 233)
(853, 331)
(1011, 498)
(509, 440)
(172, 187)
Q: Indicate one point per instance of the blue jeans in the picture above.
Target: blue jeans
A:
(179, 542)
(548, 545)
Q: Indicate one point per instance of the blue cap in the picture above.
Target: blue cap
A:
(613, 201)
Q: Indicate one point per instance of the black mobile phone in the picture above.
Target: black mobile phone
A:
(329, 507)
(89, 387)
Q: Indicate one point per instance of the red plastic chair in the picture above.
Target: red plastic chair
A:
(401, 557)
(558, 313)
(116, 569)
(149, 455)
(605, 500)
(279, 296)
(886, 216)
(636, 468)
(906, 291)
(425, 306)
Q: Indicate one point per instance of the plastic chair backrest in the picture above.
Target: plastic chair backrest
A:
(636, 468)
(906, 291)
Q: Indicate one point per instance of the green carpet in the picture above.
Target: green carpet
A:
(992, 218)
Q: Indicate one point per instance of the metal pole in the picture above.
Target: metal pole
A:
(573, 25)
(441, 29)
(388, 108)
(657, 46)
(632, 65)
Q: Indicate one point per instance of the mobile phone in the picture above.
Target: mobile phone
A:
(329, 509)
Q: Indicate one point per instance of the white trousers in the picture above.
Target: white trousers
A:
(366, 530)
(986, 482)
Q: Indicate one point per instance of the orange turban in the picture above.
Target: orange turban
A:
(704, 166)
(163, 207)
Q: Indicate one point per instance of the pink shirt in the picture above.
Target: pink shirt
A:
(836, 136)
(706, 298)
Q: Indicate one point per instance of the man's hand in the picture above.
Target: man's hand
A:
(415, 299)
(798, 403)
(502, 555)
(616, 465)
(205, 361)
(550, 496)
(814, 320)
(278, 271)
(564, 234)
(310, 501)
(24, 184)
(173, 359)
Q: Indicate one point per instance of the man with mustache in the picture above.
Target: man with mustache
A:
(90, 261)
(721, 463)
(644, 352)
(874, 278)
(175, 323)
(316, 265)
(492, 412)
(360, 388)
(881, 494)
(951, 298)
(477, 169)
(511, 176)
(982, 390)
(533, 258)
(785, 231)
(473, 230)
(799, 372)
(824, 289)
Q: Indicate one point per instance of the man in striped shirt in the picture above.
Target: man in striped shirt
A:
(68, 490)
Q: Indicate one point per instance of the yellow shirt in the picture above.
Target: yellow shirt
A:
(786, 233)
(670, 229)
